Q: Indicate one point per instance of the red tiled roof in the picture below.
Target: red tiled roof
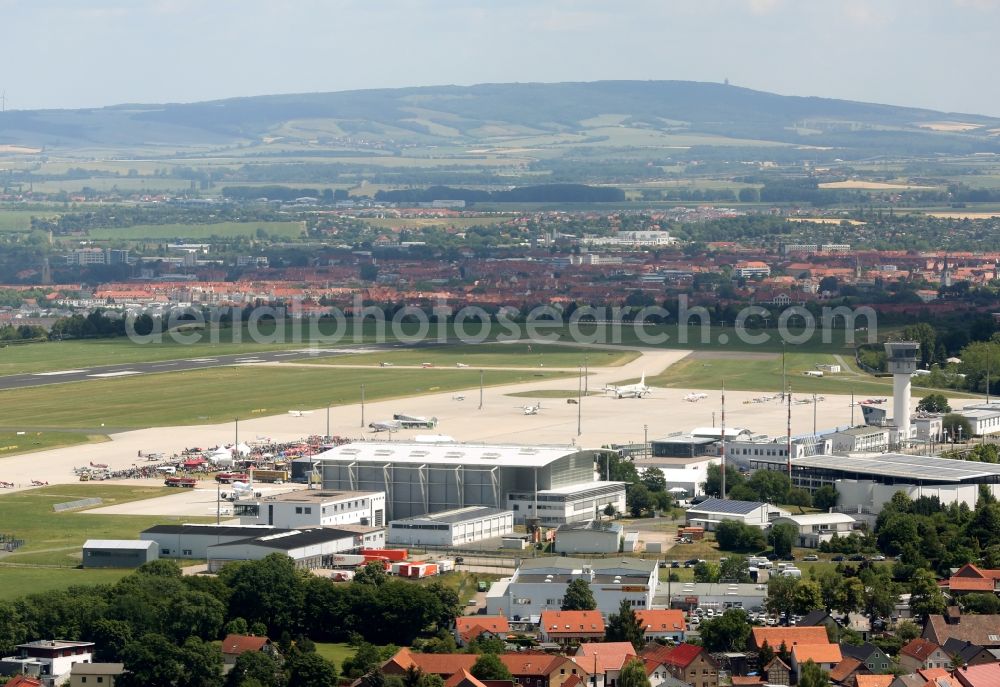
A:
(874, 680)
(240, 644)
(609, 655)
(664, 620)
(463, 677)
(817, 653)
(23, 681)
(747, 680)
(445, 665)
(842, 670)
(774, 636)
(471, 626)
(985, 675)
(971, 584)
(571, 622)
(682, 655)
(530, 663)
(919, 649)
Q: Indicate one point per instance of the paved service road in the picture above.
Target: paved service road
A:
(21, 381)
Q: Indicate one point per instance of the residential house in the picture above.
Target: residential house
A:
(234, 645)
(470, 627)
(920, 654)
(658, 674)
(825, 655)
(605, 659)
(845, 672)
(464, 678)
(571, 627)
(876, 660)
(91, 674)
(982, 630)
(968, 654)
(690, 664)
(970, 578)
(662, 624)
(774, 637)
(539, 669)
(47, 659)
(819, 618)
(778, 672)
(986, 675)
(930, 677)
(444, 665)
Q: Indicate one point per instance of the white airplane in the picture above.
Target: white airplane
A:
(385, 364)
(384, 426)
(458, 397)
(299, 413)
(461, 365)
(694, 398)
(813, 373)
(531, 410)
(631, 390)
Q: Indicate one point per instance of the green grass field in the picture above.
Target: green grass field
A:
(20, 220)
(492, 355)
(53, 540)
(289, 230)
(552, 393)
(14, 443)
(762, 372)
(221, 394)
(336, 652)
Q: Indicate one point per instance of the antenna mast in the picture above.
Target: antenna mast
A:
(788, 435)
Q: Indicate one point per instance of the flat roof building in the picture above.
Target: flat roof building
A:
(118, 553)
(592, 536)
(455, 527)
(309, 548)
(314, 508)
(711, 512)
(426, 477)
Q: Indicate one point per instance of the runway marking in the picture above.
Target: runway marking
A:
(203, 360)
(284, 355)
(250, 360)
(60, 372)
(122, 373)
(163, 365)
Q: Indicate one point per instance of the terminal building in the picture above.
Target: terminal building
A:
(451, 527)
(419, 478)
(539, 584)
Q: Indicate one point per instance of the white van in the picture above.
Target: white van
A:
(791, 572)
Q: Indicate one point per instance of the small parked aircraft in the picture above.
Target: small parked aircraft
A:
(631, 390)
(695, 397)
(532, 410)
(461, 365)
(385, 426)
(299, 413)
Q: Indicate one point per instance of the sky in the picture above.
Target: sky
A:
(938, 54)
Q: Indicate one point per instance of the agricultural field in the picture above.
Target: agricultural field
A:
(51, 553)
(289, 230)
(14, 443)
(20, 220)
(220, 394)
(421, 222)
(492, 355)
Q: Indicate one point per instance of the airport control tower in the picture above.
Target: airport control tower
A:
(902, 363)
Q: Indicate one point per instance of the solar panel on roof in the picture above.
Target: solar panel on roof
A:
(734, 507)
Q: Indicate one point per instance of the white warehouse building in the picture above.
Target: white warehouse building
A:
(427, 477)
(314, 508)
(539, 584)
(451, 527)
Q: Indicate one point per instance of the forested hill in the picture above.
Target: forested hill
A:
(588, 113)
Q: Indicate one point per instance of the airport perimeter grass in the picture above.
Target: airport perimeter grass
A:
(79, 354)
(54, 540)
(12, 443)
(142, 232)
(552, 393)
(762, 372)
(221, 394)
(492, 355)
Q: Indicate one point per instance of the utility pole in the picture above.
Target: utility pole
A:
(645, 439)
(723, 434)
(236, 445)
(586, 377)
(814, 418)
(788, 435)
(480, 389)
(784, 380)
(987, 372)
(218, 503)
(852, 409)
(363, 408)
(579, 398)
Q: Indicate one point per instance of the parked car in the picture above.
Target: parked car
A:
(878, 557)
(811, 557)
(857, 557)
(838, 558)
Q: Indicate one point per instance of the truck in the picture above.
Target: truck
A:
(185, 482)
(228, 477)
(385, 554)
(347, 559)
(275, 476)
